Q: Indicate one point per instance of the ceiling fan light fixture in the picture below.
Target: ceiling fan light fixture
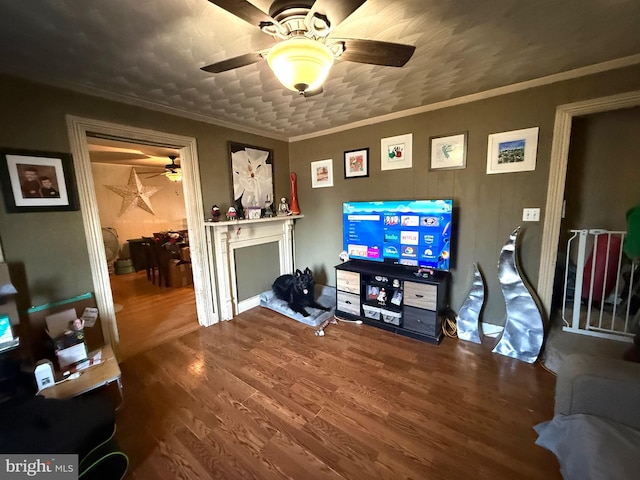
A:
(174, 176)
(300, 63)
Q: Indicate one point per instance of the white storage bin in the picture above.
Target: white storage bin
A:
(389, 316)
(371, 312)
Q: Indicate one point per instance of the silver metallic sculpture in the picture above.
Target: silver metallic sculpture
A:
(523, 330)
(468, 319)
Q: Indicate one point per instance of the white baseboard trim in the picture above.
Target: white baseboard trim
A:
(248, 304)
(491, 330)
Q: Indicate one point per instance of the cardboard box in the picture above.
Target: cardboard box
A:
(70, 348)
(69, 345)
(185, 254)
(180, 274)
(40, 344)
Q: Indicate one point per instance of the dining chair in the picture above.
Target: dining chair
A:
(151, 260)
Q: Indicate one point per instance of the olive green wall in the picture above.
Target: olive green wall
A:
(488, 207)
(47, 252)
(603, 175)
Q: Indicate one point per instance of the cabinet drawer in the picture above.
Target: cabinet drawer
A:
(348, 303)
(420, 295)
(423, 321)
(348, 281)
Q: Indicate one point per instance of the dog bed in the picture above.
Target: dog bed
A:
(325, 295)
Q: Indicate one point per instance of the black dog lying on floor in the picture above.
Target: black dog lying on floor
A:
(297, 290)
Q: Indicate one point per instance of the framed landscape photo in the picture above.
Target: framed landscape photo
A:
(356, 163)
(322, 173)
(448, 152)
(34, 181)
(396, 152)
(513, 151)
(252, 174)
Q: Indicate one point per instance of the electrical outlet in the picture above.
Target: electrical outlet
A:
(531, 215)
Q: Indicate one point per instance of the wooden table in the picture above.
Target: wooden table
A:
(96, 376)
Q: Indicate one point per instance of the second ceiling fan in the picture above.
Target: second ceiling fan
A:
(172, 171)
(305, 52)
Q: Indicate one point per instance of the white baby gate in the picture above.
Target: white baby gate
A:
(604, 284)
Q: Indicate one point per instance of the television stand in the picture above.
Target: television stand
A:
(405, 300)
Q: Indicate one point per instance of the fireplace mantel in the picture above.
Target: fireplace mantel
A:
(223, 238)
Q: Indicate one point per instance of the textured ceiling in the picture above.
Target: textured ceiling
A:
(149, 52)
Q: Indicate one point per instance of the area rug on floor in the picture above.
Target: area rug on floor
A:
(325, 296)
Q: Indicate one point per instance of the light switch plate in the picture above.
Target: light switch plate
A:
(531, 215)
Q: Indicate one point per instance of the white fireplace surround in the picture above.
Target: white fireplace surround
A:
(224, 238)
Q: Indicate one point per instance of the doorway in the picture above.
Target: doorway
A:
(557, 179)
(138, 196)
(204, 283)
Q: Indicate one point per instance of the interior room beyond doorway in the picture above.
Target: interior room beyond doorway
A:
(138, 200)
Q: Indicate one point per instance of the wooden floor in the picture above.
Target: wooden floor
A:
(150, 314)
(262, 397)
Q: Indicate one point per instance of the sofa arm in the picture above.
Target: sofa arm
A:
(599, 386)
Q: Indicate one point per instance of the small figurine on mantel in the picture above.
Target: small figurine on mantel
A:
(268, 211)
(215, 213)
(239, 208)
(232, 214)
(283, 207)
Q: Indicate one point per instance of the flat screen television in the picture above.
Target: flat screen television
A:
(410, 232)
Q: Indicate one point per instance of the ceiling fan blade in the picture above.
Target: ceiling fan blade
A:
(376, 53)
(335, 10)
(231, 63)
(245, 10)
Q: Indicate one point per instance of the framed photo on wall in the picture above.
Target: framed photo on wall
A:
(448, 152)
(34, 181)
(356, 163)
(513, 151)
(396, 152)
(322, 173)
(252, 174)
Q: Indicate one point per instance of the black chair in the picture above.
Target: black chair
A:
(151, 260)
(82, 425)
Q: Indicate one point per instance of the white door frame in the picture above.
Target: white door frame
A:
(558, 176)
(203, 283)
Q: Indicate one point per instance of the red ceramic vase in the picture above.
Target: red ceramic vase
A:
(294, 207)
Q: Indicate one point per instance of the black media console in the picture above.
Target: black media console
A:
(401, 299)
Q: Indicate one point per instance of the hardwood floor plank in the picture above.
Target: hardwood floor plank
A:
(148, 315)
(262, 397)
(244, 461)
(297, 462)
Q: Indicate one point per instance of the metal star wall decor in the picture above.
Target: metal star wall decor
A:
(134, 194)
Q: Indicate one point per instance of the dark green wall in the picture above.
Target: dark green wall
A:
(47, 252)
(489, 207)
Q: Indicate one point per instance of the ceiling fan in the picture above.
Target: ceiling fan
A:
(172, 170)
(305, 52)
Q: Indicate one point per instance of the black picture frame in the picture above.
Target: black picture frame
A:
(37, 181)
(244, 160)
(356, 163)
